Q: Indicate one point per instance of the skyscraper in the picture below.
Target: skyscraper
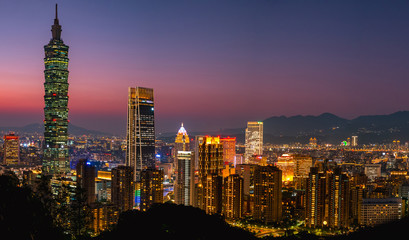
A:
(254, 140)
(354, 142)
(327, 199)
(233, 196)
(184, 178)
(182, 140)
(229, 149)
(11, 148)
(56, 159)
(210, 166)
(140, 134)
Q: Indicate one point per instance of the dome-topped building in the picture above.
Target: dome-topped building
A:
(182, 140)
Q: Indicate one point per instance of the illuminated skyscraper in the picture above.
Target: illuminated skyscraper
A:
(184, 178)
(11, 148)
(254, 140)
(140, 134)
(209, 188)
(229, 149)
(327, 199)
(182, 140)
(354, 142)
(56, 159)
(233, 196)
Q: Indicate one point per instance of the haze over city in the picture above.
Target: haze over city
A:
(212, 64)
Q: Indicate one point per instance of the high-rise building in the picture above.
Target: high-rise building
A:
(229, 149)
(56, 159)
(140, 134)
(86, 174)
(182, 140)
(183, 187)
(354, 142)
(327, 199)
(267, 194)
(210, 166)
(233, 197)
(212, 194)
(123, 188)
(151, 186)
(11, 149)
(254, 140)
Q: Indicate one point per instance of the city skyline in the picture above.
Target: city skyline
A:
(215, 65)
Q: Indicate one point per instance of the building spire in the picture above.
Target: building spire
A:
(56, 28)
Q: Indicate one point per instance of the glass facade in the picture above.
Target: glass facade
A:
(140, 151)
(56, 159)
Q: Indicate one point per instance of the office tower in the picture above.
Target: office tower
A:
(327, 199)
(11, 149)
(56, 159)
(229, 149)
(302, 169)
(122, 188)
(184, 178)
(375, 211)
(182, 140)
(151, 186)
(210, 164)
(254, 140)
(86, 174)
(233, 196)
(267, 194)
(354, 142)
(140, 134)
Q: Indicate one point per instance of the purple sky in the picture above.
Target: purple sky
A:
(212, 64)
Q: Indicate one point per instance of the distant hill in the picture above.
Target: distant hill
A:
(39, 128)
(329, 128)
(333, 129)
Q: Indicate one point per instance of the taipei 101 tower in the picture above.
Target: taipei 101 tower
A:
(56, 159)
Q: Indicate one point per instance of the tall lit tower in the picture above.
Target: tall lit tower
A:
(11, 149)
(140, 133)
(56, 159)
(182, 140)
(254, 140)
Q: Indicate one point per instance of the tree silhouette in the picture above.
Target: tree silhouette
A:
(22, 214)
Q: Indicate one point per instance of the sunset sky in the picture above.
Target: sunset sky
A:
(212, 64)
